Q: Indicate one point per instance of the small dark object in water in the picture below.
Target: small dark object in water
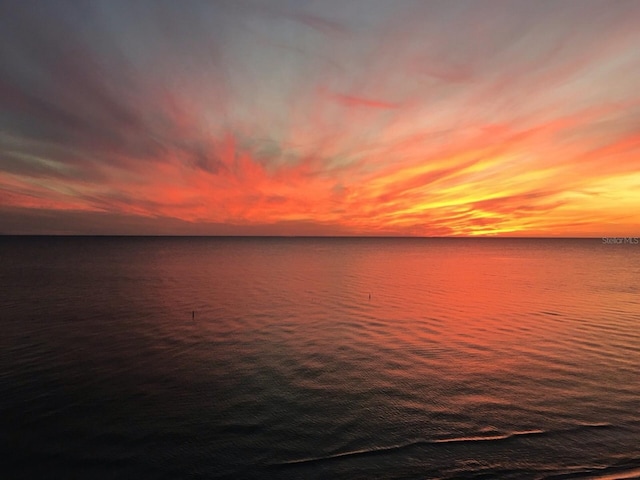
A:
(193, 314)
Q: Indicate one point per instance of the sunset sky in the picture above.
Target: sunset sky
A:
(371, 117)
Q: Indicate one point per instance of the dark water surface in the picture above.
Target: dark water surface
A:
(470, 359)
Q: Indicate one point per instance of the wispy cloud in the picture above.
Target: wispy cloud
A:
(372, 117)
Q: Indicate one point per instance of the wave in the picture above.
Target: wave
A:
(434, 442)
(626, 470)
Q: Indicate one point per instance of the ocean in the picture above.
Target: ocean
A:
(319, 358)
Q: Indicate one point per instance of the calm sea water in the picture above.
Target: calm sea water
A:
(319, 358)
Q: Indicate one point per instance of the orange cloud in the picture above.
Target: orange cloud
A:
(283, 120)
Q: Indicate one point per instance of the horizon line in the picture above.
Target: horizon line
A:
(445, 237)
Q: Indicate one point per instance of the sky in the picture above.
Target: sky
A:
(354, 117)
